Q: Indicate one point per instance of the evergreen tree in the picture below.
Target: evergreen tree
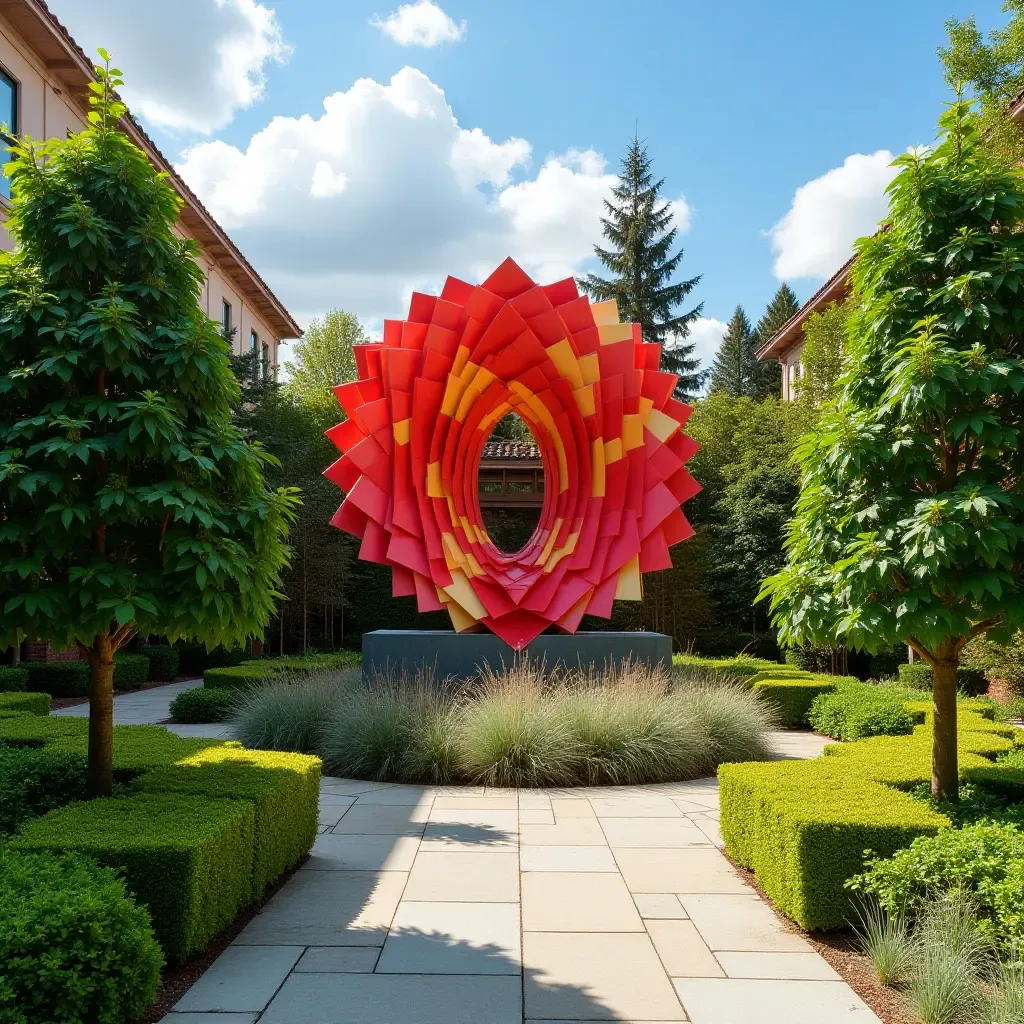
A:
(767, 382)
(129, 503)
(639, 228)
(734, 367)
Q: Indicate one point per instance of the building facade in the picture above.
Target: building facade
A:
(44, 77)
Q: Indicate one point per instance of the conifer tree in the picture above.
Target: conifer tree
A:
(642, 238)
(767, 380)
(734, 367)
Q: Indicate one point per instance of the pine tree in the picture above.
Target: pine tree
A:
(639, 228)
(734, 368)
(767, 381)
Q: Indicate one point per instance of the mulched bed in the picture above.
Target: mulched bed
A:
(179, 978)
(71, 702)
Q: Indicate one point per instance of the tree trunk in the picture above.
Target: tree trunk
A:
(101, 716)
(945, 770)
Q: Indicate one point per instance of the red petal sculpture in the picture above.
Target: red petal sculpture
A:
(609, 431)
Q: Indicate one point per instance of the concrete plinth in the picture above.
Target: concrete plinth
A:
(460, 655)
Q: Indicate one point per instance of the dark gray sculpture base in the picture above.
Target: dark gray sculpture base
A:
(406, 651)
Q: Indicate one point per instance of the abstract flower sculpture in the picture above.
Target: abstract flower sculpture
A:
(610, 436)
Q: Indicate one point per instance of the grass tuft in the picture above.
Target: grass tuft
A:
(885, 939)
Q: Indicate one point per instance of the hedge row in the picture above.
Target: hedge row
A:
(12, 679)
(206, 827)
(741, 666)
(918, 674)
(204, 704)
(803, 826)
(26, 703)
(249, 673)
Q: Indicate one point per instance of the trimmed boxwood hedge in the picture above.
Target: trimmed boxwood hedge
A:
(187, 859)
(12, 680)
(250, 673)
(163, 661)
(34, 781)
(131, 671)
(58, 678)
(26, 703)
(855, 711)
(204, 704)
(792, 698)
(741, 666)
(73, 946)
(803, 826)
(284, 790)
(918, 674)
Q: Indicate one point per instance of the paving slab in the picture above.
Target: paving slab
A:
(535, 817)
(741, 923)
(566, 832)
(496, 819)
(731, 1001)
(593, 976)
(398, 796)
(477, 803)
(683, 952)
(795, 966)
(395, 999)
(339, 852)
(338, 960)
(464, 876)
(566, 858)
(328, 908)
(663, 905)
(382, 819)
(665, 833)
(453, 938)
(692, 870)
(635, 806)
(242, 978)
(582, 902)
(569, 808)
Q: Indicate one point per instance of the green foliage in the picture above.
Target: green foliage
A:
(1003, 661)
(803, 826)
(27, 703)
(129, 500)
(249, 673)
(187, 859)
(58, 678)
(204, 704)
(323, 360)
(734, 371)
(742, 666)
(195, 659)
(131, 671)
(73, 946)
(855, 711)
(33, 782)
(163, 662)
(918, 674)
(641, 239)
(12, 679)
(284, 790)
(822, 354)
(768, 373)
(884, 938)
(984, 859)
(791, 698)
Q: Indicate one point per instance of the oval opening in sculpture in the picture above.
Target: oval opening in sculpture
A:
(511, 484)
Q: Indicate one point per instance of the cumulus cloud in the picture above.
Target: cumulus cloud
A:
(384, 193)
(421, 24)
(706, 334)
(829, 214)
(188, 65)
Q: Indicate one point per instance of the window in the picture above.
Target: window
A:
(225, 319)
(9, 120)
(254, 341)
(266, 361)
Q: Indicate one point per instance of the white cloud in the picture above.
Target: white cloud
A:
(188, 65)
(706, 333)
(814, 239)
(421, 24)
(682, 214)
(384, 193)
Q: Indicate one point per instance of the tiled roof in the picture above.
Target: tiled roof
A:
(514, 451)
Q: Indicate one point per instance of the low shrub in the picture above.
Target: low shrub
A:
(163, 661)
(284, 790)
(803, 827)
(187, 859)
(852, 712)
(742, 666)
(73, 945)
(131, 671)
(58, 678)
(12, 680)
(781, 672)
(791, 698)
(26, 703)
(34, 781)
(918, 674)
(201, 704)
(248, 673)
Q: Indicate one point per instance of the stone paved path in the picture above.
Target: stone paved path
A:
(473, 906)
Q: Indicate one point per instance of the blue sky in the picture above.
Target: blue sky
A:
(742, 104)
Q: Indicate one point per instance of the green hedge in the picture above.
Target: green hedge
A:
(58, 678)
(34, 781)
(792, 698)
(26, 703)
(131, 671)
(918, 674)
(195, 659)
(187, 859)
(12, 679)
(781, 672)
(204, 704)
(250, 673)
(163, 661)
(742, 666)
(73, 946)
(803, 826)
(853, 712)
(284, 790)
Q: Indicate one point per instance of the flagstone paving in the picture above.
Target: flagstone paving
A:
(427, 905)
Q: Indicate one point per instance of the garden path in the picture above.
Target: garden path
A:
(433, 905)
